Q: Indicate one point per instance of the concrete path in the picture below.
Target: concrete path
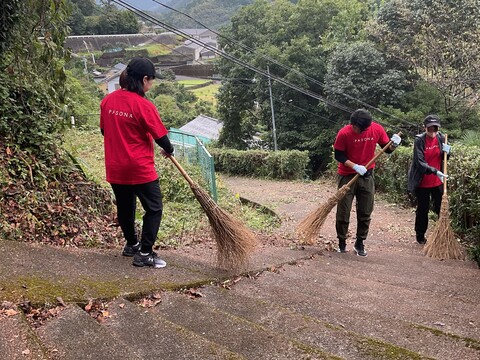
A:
(290, 302)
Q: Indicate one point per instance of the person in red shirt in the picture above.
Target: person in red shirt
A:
(355, 146)
(130, 123)
(424, 177)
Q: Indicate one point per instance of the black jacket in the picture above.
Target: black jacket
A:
(419, 166)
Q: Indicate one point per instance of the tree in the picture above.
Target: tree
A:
(32, 77)
(294, 35)
(44, 196)
(357, 72)
(108, 19)
(438, 40)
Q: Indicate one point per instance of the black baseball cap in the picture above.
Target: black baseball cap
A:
(139, 67)
(431, 120)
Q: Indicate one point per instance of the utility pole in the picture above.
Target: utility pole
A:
(274, 130)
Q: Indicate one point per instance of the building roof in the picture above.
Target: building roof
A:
(204, 126)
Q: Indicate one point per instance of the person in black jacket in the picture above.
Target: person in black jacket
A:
(424, 177)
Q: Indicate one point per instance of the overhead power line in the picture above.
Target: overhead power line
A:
(227, 56)
(283, 66)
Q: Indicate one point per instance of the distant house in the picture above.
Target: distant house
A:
(112, 80)
(204, 127)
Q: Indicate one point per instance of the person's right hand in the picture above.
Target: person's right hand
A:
(360, 169)
(441, 175)
(446, 148)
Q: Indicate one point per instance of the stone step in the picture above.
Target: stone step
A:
(427, 275)
(17, 339)
(342, 306)
(75, 335)
(238, 334)
(357, 285)
(296, 327)
(151, 336)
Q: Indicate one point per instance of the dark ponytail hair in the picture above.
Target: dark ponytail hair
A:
(131, 82)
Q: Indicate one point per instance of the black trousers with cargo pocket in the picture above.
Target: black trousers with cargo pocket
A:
(150, 197)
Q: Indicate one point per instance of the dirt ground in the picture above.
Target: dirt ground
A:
(392, 224)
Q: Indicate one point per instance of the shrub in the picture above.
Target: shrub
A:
(287, 165)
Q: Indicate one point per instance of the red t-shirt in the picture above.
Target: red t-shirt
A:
(130, 123)
(433, 158)
(359, 148)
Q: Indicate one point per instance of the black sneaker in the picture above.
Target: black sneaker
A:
(360, 250)
(131, 250)
(342, 250)
(342, 246)
(421, 240)
(151, 260)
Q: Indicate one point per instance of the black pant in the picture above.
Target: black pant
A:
(423, 206)
(151, 199)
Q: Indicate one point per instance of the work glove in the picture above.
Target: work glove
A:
(446, 148)
(396, 140)
(441, 175)
(360, 169)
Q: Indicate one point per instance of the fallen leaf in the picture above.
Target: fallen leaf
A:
(11, 312)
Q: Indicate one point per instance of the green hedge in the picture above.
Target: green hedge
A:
(463, 184)
(288, 165)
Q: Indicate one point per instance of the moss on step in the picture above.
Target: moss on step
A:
(384, 351)
(469, 342)
(41, 291)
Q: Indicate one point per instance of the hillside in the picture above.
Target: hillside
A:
(211, 13)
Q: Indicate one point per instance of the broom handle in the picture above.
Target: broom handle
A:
(445, 169)
(180, 168)
(351, 182)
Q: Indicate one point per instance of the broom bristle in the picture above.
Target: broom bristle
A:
(441, 242)
(309, 228)
(235, 242)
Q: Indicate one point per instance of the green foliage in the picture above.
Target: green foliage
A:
(463, 185)
(49, 199)
(357, 71)
(471, 138)
(111, 20)
(174, 102)
(84, 101)
(270, 164)
(288, 33)
(436, 40)
(212, 13)
(10, 13)
(32, 81)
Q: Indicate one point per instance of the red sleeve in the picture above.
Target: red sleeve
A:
(340, 141)
(152, 121)
(383, 138)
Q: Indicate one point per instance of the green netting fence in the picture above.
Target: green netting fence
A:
(191, 148)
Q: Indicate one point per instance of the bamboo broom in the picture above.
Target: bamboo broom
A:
(234, 241)
(310, 226)
(441, 242)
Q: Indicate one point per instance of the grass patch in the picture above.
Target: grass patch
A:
(184, 220)
(153, 49)
(192, 82)
(207, 93)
